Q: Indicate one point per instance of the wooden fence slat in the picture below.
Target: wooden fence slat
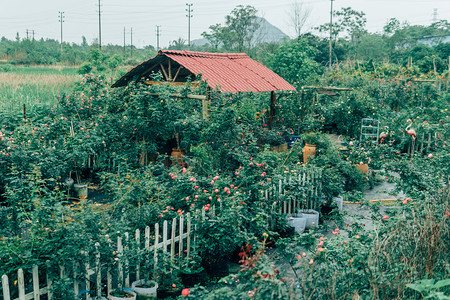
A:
(164, 236)
(127, 264)
(87, 278)
(21, 284)
(120, 267)
(49, 281)
(98, 269)
(138, 245)
(188, 239)
(5, 286)
(155, 254)
(36, 292)
(172, 239)
(76, 284)
(180, 244)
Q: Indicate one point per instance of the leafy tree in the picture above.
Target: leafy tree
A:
(238, 32)
(179, 44)
(294, 61)
(349, 21)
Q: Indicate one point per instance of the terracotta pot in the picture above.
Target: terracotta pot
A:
(363, 168)
(177, 156)
(308, 151)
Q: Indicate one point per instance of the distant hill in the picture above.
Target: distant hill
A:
(266, 33)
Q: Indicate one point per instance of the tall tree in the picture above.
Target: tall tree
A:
(238, 32)
(298, 16)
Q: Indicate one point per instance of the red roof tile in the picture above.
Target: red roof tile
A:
(227, 72)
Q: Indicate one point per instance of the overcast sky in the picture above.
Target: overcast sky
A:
(81, 16)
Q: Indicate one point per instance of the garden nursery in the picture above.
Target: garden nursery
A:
(140, 188)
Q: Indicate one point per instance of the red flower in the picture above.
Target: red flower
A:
(385, 217)
(185, 292)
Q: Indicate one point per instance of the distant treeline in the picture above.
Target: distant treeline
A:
(426, 47)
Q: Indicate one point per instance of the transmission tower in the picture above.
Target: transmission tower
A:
(435, 14)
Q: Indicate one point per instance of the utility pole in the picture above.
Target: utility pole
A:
(124, 43)
(131, 38)
(61, 20)
(99, 26)
(27, 34)
(158, 33)
(331, 30)
(33, 33)
(189, 16)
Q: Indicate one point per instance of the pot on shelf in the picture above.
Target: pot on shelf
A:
(145, 289)
(308, 151)
(312, 217)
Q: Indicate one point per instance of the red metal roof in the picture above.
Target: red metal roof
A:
(228, 72)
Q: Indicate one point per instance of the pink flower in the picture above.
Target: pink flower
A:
(320, 249)
(236, 173)
(187, 198)
(216, 177)
(191, 179)
(206, 208)
(216, 191)
(304, 254)
(321, 243)
(184, 170)
(196, 187)
(385, 217)
(405, 201)
(185, 292)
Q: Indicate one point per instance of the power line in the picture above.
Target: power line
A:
(189, 16)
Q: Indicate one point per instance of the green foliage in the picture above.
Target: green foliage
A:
(294, 62)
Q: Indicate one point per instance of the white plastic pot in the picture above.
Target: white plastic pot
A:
(131, 296)
(339, 202)
(145, 293)
(312, 217)
(81, 190)
(298, 221)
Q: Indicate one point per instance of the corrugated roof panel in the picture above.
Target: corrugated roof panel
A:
(228, 72)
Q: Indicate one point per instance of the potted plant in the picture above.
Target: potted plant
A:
(145, 288)
(166, 274)
(177, 153)
(122, 293)
(297, 221)
(359, 157)
(311, 142)
(191, 270)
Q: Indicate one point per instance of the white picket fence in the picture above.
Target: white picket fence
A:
(180, 243)
(180, 239)
(310, 180)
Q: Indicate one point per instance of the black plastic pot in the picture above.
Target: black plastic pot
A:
(191, 279)
(217, 269)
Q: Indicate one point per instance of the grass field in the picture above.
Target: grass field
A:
(34, 86)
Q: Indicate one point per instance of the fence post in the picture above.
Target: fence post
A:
(138, 245)
(21, 284)
(36, 292)
(5, 286)
(49, 281)
(99, 271)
